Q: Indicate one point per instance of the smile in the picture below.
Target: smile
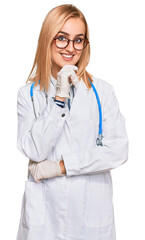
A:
(67, 56)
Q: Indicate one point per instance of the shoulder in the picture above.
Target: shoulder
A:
(24, 89)
(101, 83)
(23, 93)
(103, 87)
(106, 93)
(27, 87)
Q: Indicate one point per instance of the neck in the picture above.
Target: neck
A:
(55, 69)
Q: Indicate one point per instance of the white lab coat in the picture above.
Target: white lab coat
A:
(78, 205)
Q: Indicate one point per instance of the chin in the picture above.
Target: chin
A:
(69, 63)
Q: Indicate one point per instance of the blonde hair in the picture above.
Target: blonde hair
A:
(53, 22)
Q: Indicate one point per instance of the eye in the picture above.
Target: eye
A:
(62, 38)
(78, 40)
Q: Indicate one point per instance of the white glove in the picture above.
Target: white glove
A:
(44, 169)
(63, 84)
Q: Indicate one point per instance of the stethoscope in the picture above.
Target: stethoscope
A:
(99, 138)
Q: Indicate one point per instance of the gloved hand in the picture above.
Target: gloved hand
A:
(44, 169)
(63, 84)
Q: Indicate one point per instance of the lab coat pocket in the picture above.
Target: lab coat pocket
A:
(99, 206)
(34, 207)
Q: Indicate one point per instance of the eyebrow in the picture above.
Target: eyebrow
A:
(68, 34)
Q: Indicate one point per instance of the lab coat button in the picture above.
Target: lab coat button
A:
(63, 115)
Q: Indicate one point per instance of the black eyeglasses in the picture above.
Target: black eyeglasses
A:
(79, 43)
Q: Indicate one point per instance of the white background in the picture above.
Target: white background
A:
(117, 38)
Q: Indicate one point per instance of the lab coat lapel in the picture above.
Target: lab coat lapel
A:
(51, 92)
(40, 98)
(79, 98)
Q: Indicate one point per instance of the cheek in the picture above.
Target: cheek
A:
(78, 55)
(54, 51)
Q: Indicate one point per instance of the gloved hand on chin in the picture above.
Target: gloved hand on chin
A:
(65, 78)
(44, 169)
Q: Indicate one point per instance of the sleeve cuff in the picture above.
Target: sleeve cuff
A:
(71, 162)
(57, 112)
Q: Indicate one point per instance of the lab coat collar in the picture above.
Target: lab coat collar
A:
(53, 81)
(53, 84)
(81, 96)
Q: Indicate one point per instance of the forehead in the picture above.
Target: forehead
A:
(74, 26)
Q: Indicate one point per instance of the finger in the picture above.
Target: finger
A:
(70, 67)
(73, 75)
(75, 81)
(75, 68)
(38, 181)
(34, 173)
(32, 168)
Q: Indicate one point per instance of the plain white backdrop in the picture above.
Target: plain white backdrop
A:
(117, 39)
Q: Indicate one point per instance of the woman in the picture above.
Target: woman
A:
(68, 194)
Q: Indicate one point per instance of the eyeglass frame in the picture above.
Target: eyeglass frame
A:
(85, 38)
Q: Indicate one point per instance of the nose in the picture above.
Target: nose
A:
(70, 46)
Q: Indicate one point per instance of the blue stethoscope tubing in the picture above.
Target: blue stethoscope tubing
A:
(99, 139)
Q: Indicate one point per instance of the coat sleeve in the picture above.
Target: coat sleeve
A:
(114, 151)
(37, 137)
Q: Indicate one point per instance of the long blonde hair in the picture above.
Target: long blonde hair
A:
(42, 65)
